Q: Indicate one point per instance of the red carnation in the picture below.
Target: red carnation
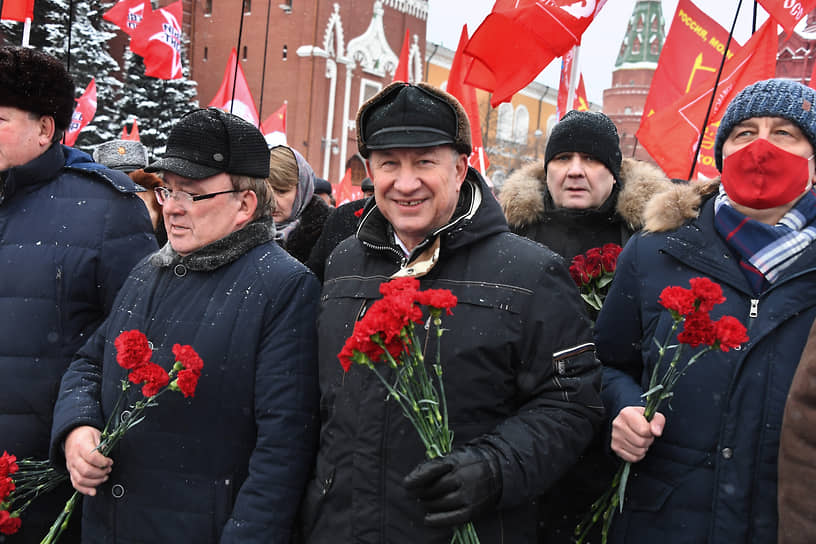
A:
(188, 357)
(698, 330)
(132, 349)
(9, 524)
(707, 292)
(730, 333)
(152, 376)
(8, 464)
(677, 299)
(6, 487)
(437, 298)
(359, 212)
(399, 285)
(187, 381)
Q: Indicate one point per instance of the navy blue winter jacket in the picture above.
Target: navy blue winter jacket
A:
(711, 477)
(70, 231)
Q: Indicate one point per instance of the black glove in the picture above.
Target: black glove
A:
(456, 488)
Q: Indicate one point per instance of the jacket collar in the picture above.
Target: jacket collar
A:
(477, 214)
(219, 253)
(34, 173)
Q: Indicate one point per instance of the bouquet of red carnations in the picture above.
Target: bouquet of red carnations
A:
(23, 481)
(689, 308)
(593, 271)
(387, 334)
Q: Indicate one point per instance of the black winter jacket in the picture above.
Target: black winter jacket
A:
(231, 463)
(70, 231)
(521, 378)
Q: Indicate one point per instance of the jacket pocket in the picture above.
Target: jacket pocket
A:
(224, 490)
(313, 499)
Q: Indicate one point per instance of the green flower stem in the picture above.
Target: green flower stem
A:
(61, 523)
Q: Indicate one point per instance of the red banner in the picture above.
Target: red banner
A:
(519, 38)
(17, 10)
(345, 191)
(788, 12)
(83, 114)
(274, 128)
(242, 104)
(692, 51)
(158, 40)
(671, 135)
(401, 71)
(133, 134)
(579, 101)
(128, 14)
(466, 95)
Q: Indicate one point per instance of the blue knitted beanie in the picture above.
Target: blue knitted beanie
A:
(770, 98)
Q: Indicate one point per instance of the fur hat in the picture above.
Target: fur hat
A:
(406, 115)
(124, 155)
(587, 132)
(36, 82)
(206, 142)
(770, 98)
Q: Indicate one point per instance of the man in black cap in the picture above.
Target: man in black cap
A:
(521, 378)
(70, 231)
(230, 465)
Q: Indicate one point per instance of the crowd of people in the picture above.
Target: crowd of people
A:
(237, 250)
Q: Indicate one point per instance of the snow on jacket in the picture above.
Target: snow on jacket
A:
(70, 231)
(231, 463)
(508, 387)
(530, 211)
(712, 476)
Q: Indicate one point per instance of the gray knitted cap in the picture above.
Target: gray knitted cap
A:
(770, 98)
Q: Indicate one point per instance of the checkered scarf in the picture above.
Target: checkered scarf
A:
(766, 250)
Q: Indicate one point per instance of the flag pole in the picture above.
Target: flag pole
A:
(26, 31)
(70, 26)
(753, 21)
(237, 55)
(714, 93)
(573, 79)
(263, 68)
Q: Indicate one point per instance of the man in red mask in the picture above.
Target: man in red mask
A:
(706, 469)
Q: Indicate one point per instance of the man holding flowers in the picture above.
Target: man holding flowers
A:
(519, 371)
(706, 467)
(230, 464)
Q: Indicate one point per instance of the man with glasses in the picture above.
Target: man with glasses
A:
(229, 465)
(70, 231)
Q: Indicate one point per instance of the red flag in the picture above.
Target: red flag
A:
(158, 41)
(466, 95)
(134, 132)
(345, 191)
(670, 136)
(128, 14)
(579, 101)
(17, 10)
(788, 12)
(692, 51)
(242, 105)
(519, 38)
(401, 72)
(84, 112)
(274, 128)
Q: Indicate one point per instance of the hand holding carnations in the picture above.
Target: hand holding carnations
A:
(632, 433)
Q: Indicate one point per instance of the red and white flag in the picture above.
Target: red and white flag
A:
(671, 135)
(579, 101)
(158, 41)
(83, 113)
(519, 38)
(128, 14)
(17, 10)
(466, 95)
(274, 128)
(133, 134)
(401, 71)
(242, 104)
(788, 12)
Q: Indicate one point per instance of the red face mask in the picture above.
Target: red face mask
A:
(762, 175)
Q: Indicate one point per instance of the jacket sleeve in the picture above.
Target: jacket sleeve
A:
(618, 335)
(79, 399)
(127, 238)
(558, 383)
(286, 415)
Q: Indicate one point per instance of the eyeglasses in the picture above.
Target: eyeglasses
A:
(163, 194)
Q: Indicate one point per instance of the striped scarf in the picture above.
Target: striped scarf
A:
(766, 250)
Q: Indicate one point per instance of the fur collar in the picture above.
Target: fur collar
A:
(523, 200)
(669, 209)
(220, 252)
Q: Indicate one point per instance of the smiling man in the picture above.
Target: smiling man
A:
(521, 379)
(233, 462)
